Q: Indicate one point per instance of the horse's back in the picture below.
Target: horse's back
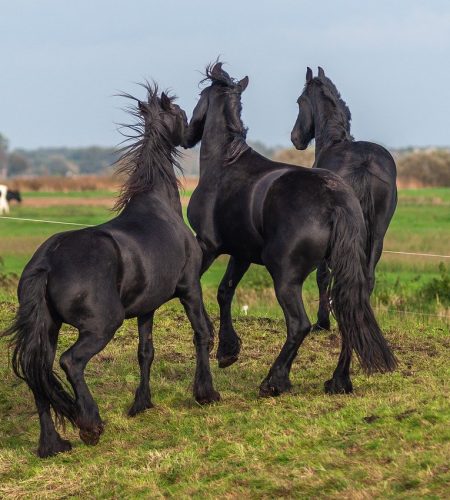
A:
(346, 158)
(264, 201)
(371, 172)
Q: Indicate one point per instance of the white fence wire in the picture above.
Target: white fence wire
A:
(396, 252)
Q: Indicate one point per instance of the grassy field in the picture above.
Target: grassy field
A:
(389, 439)
(421, 224)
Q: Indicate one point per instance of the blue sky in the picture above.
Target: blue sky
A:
(63, 61)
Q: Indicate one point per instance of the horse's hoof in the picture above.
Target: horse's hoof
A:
(338, 386)
(270, 388)
(226, 357)
(139, 408)
(225, 361)
(92, 436)
(208, 398)
(57, 446)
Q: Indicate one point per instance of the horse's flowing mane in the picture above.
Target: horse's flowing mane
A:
(150, 152)
(337, 122)
(237, 131)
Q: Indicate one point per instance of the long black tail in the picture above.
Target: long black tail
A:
(33, 350)
(359, 180)
(349, 291)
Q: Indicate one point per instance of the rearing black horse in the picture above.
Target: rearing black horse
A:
(287, 218)
(367, 167)
(96, 277)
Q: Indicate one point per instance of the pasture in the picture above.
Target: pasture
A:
(390, 438)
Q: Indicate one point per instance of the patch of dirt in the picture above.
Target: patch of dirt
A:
(334, 340)
(371, 419)
(58, 201)
(53, 201)
(405, 414)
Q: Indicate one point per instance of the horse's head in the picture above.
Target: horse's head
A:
(13, 195)
(319, 102)
(303, 131)
(164, 113)
(222, 91)
(152, 141)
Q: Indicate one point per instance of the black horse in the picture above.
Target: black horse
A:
(287, 218)
(94, 278)
(367, 167)
(13, 195)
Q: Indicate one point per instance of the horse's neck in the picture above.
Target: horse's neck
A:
(162, 187)
(168, 192)
(161, 190)
(144, 203)
(329, 129)
(216, 141)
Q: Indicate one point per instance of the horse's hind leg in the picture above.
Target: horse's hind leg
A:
(375, 254)
(50, 442)
(142, 399)
(323, 314)
(191, 298)
(92, 339)
(288, 292)
(229, 342)
(340, 383)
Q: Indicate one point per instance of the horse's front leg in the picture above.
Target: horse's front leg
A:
(142, 399)
(209, 255)
(229, 341)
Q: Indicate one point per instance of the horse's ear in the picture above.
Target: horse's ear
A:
(309, 74)
(142, 107)
(243, 83)
(166, 103)
(321, 72)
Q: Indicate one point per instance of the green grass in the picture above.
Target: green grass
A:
(19, 239)
(389, 439)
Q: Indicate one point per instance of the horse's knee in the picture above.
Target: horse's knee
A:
(302, 331)
(305, 326)
(145, 353)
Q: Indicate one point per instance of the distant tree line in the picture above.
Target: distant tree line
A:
(55, 161)
(416, 167)
(68, 162)
(424, 168)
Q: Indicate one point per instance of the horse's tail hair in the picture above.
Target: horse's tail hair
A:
(349, 290)
(34, 350)
(359, 180)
